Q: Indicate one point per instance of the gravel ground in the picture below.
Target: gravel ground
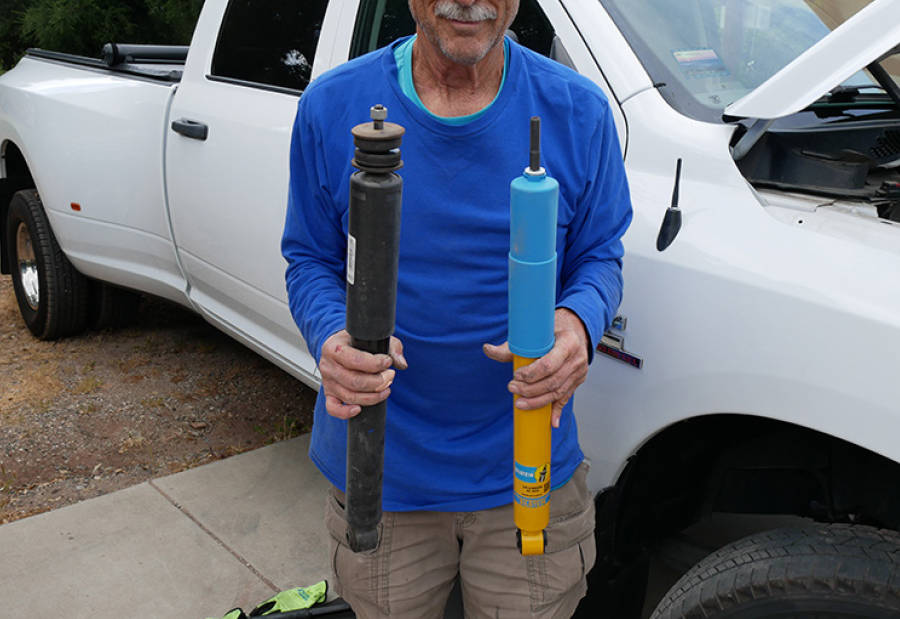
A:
(88, 415)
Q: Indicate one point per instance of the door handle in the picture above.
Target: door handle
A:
(190, 128)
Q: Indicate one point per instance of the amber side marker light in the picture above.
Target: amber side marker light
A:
(75, 206)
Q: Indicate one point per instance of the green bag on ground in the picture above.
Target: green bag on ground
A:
(292, 599)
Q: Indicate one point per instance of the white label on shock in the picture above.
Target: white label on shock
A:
(351, 259)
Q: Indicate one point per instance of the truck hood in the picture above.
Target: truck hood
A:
(864, 38)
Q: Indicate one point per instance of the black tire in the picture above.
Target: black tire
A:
(817, 572)
(51, 293)
(111, 307)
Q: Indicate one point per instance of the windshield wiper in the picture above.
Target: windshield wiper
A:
(853, 96)
(850, 95)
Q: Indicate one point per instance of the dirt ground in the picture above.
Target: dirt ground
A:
(89, 415)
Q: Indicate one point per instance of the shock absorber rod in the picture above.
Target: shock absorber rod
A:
(534, 199)
(373, 250)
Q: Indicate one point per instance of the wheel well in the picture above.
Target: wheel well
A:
(741, 465)
(14, 176)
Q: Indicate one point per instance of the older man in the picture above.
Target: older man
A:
(465, 95)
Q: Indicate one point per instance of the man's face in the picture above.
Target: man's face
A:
(464, 30)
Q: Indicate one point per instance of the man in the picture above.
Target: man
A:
(465, 95)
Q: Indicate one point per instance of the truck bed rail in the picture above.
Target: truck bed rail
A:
(118, 53)
(162, 70)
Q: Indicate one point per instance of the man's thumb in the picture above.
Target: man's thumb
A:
(498, 353)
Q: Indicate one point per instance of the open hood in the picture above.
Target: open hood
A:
(861, 40)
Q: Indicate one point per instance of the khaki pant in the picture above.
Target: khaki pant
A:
(411, 573)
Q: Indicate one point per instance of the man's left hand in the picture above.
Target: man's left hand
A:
(554, 377)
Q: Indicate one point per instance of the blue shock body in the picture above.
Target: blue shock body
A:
(534, 197)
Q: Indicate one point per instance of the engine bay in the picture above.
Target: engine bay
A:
(837, 155)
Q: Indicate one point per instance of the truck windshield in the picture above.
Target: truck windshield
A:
(706, 54)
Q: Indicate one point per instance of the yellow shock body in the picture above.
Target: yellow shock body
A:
(532, 472)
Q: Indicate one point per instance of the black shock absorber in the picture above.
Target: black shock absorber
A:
(373, 250)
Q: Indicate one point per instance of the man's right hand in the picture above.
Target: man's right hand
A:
(352, 378)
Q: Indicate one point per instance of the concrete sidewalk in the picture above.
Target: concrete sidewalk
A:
(188, 546)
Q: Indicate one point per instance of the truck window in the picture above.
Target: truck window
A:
(268, 43)
(381, 21)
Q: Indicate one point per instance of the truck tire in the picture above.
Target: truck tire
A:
(51, 293)
(816, 572)
(111, 307)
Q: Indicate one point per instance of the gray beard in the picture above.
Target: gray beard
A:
(469, 59)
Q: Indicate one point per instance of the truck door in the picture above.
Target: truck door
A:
(227, 166)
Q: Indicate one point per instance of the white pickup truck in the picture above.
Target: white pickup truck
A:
(754, 366)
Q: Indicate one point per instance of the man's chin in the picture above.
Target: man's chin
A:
(468, 55)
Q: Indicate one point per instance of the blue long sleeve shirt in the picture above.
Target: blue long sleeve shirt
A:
(449, 436)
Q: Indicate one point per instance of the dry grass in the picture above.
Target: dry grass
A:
(100, 412)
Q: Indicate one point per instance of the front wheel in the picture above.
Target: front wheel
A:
(818, 572)
(52, 295)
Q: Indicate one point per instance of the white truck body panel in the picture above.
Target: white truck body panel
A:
(121, 227)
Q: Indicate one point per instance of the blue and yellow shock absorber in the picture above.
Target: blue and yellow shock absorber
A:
(534, 199)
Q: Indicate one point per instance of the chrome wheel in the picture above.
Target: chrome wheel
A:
(28, 269)
(51, 294)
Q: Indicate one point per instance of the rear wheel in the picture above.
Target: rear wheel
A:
(820, 572)
(52, 295)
